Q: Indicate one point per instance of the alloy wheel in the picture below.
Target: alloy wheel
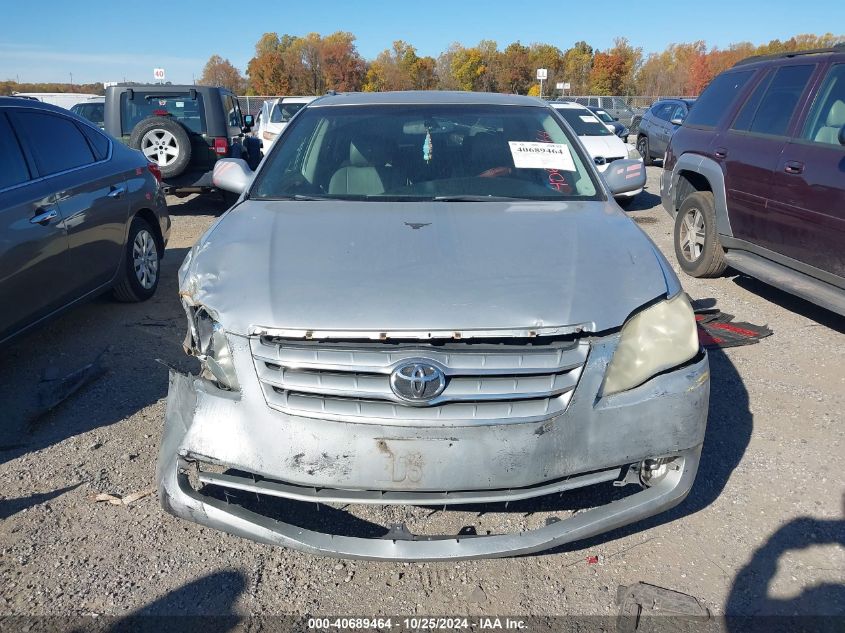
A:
(160, 146)
(692, 234)
(145, 259)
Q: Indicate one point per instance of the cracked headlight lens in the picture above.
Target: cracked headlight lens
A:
(654, 340)
(212, 350)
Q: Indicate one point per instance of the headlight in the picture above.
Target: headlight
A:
(654, 340)
(634, 153)
(212, 349)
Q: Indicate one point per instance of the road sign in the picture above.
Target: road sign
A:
(566, 86)
(158, 74)
(560, 85)
(542, 73)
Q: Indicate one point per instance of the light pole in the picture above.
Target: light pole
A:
(71, 80)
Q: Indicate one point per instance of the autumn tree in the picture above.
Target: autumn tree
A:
(577, 63)
(468, 68)
(514, 72)
(343, 67)
(614, 70)
(400, 68)
(443, 68)
(267, 72)
(221, 72)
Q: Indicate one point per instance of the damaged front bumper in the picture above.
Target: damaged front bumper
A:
(596, 440)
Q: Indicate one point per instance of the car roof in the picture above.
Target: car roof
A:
(425, 97)
(23, 102)
(165, 88)
(837, 52)
(300, 99)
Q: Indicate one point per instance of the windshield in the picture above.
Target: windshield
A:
(283, 112)
(604, 116)
(583, 122)
(425, 152)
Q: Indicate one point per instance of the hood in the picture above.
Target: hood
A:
(423, 266)
(606, 146)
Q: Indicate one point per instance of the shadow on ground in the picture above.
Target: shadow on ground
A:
(819, 608)
(792, 303)
(644, 201)
(127, 338)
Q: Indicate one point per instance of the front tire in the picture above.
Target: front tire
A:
(643, 149)
(697, 246)
(141, 266)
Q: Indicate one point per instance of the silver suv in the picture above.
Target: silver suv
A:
(430, 299)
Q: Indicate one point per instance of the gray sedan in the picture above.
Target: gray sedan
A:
(79, 215)
(429, 299)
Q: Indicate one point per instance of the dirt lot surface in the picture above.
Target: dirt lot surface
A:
(762, 531)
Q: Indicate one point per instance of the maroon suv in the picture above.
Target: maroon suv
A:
(755, 177)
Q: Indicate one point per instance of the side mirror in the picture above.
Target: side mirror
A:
(677, 121)
(842, 135)
(623, 176)
(232, 174)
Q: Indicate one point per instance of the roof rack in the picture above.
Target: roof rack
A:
(836, 48)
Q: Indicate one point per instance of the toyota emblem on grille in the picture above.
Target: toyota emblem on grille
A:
(417, 381)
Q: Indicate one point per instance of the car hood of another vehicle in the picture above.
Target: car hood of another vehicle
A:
(609, 146)
(343, 266)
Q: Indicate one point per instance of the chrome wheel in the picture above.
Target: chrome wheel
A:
(145, 259)
(160, 146)
(692, 235)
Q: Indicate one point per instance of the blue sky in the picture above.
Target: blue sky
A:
(47, 40)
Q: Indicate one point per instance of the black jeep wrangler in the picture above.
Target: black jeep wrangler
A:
(184, 129)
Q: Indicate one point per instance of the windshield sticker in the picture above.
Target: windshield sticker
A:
(162, 102)
(528, 155)
(180, 104)
(586, 118)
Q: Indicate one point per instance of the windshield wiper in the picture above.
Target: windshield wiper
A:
(466, 198)
(300, 197)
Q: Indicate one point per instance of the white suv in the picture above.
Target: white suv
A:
(274, 117)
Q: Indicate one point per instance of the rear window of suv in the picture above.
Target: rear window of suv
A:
(717, 98)
(181, 107)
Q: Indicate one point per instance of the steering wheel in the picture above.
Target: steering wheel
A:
(495, 172)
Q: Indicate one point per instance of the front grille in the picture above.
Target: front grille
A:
(519, 381)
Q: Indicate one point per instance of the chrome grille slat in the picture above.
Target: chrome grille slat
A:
(485, 383)
(377, 386)
(456, 363)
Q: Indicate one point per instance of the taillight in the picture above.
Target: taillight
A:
(155, 171)
(221, 146)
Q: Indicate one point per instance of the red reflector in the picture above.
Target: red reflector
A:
(155, 171)
(221, 146)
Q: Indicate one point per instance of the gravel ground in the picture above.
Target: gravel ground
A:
(762, 532)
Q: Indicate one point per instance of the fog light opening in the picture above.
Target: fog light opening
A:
(653, 471)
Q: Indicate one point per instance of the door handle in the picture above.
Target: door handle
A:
(44, 217)
(794, 167)
(721, 153)
(116, 192)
